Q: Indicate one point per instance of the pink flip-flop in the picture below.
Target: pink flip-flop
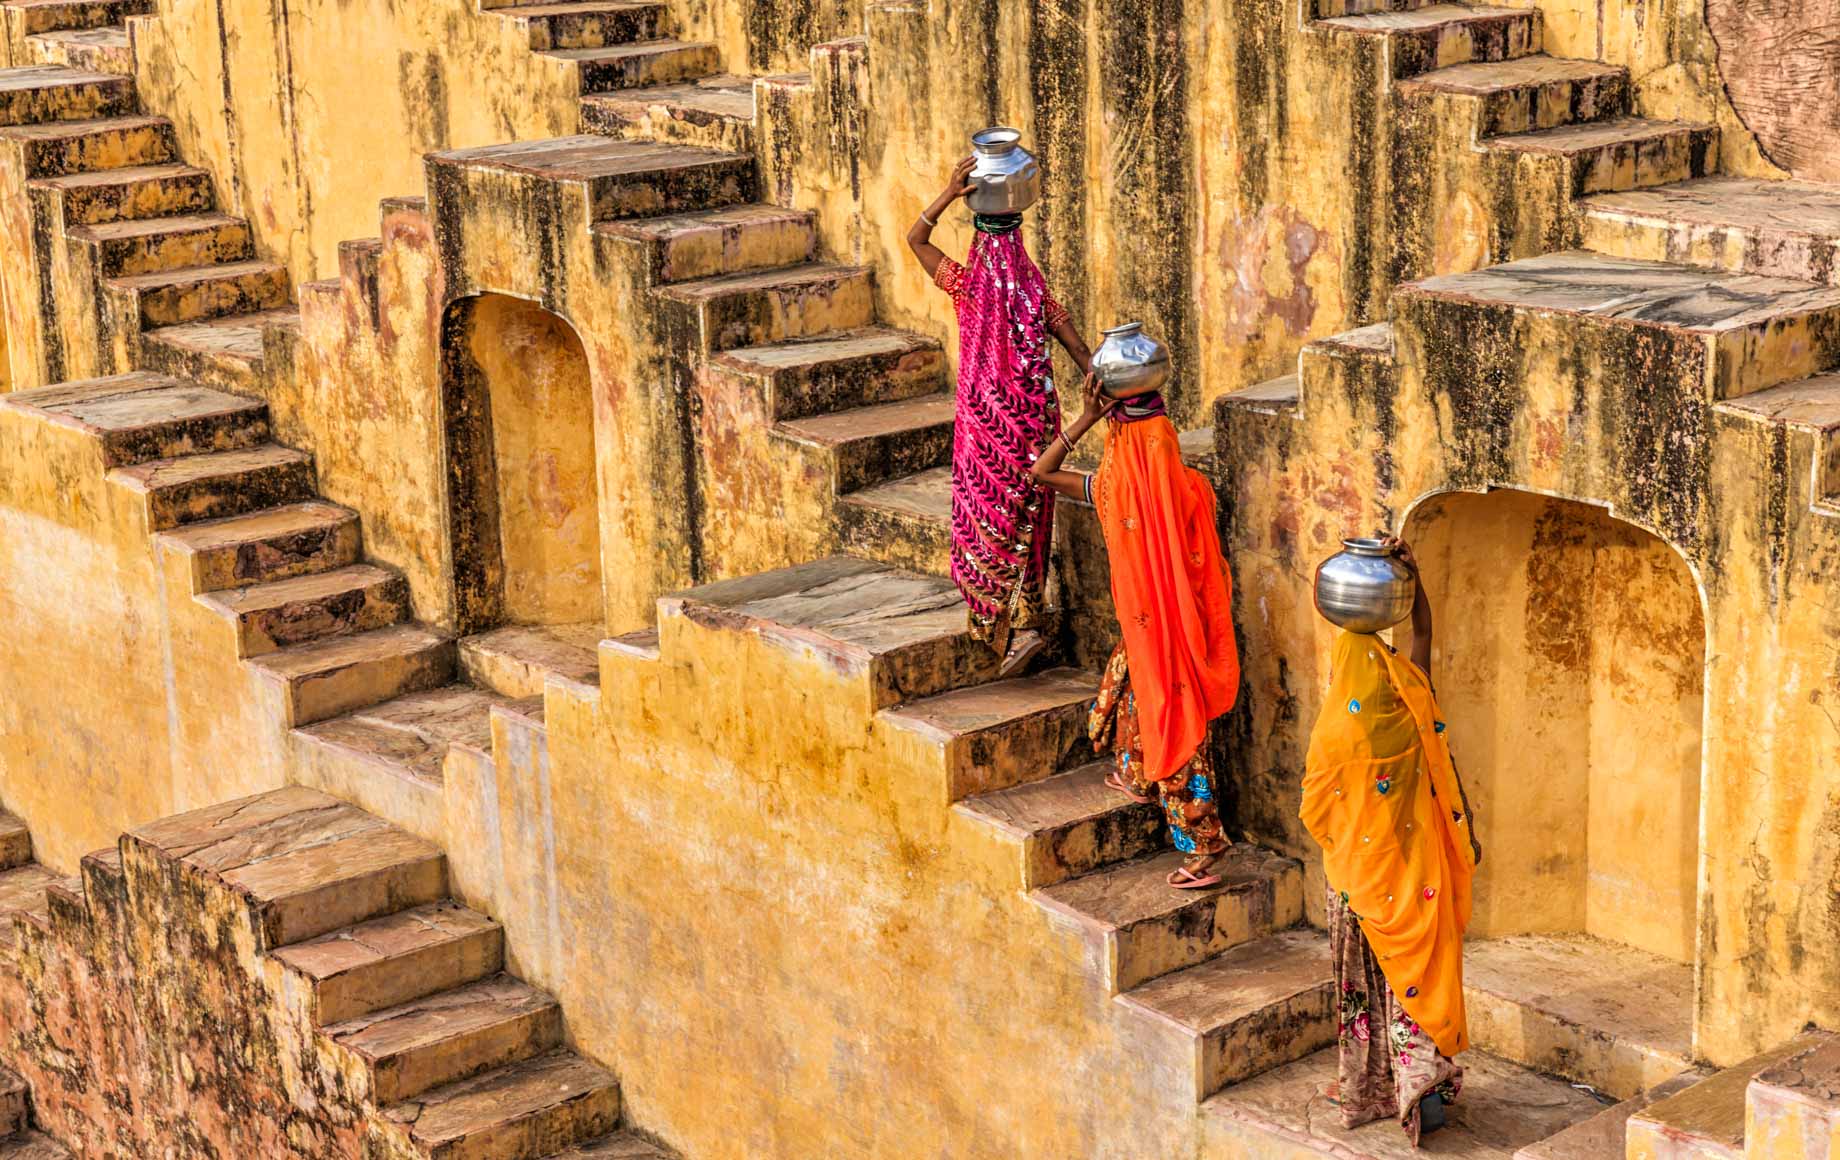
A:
(1182, 878)
(1114, 782)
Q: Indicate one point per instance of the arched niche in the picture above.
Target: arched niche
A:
(1570, 662)
(523, 506)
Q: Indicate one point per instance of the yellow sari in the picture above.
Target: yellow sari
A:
(1380, 794)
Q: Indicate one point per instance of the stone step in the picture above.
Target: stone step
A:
(227, 351)
(1810, 406)
(1758, 332)
(412, 734)
(302, 863)
(619, 1146)
(906, 522)
(30, 1145)
(22, 895)
(271, 544)
(864, 446)
(326, 678)
(768, 306)
(711, 243)
(1584, 1009)
(15, 842)
(135, 191)
(1318, 10)
(171, 297)
(35, 16)
(903, 635)
(526, 1110)
(141, 416)
(625, 179)
(1793, 1107)
(60, 148)
(1529, 92)
(223, 483)
(145, 245)
(102, 49)
(1291, 1112)
(1706, 1120)
(1005, 733)
(1280, 396)
(1260, 1005)
(716, 111)
(450, 1035)
(649, 62)
(1137, 927)
(278, 613)
(590, 23)
(1441, 35)
(1619, 153)
(395, 959)
(517, 661)
(1784, 229)
(1602, 1135)
(41, 92)
(836, 372)
(15, 1108)
(1069, 824)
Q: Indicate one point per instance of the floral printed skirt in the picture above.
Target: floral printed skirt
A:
(1187, 796)
(1388, 1064)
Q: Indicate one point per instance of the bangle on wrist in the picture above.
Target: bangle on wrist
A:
(930, 223)
(1066, 442)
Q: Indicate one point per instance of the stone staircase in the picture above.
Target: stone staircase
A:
(81, 34)
(1492, 142)
(401, 990)
(133, 266)
(237, 516)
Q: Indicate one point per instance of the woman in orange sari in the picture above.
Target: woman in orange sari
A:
(1381, 795)
(1177, 667)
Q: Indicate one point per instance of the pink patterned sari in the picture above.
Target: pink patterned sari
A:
(1002, 523)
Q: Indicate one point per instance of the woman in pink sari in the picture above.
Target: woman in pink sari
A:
(1002, 519)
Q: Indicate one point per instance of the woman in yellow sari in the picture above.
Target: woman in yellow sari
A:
(1381, 795)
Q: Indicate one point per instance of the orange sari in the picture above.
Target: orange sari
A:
(1171, 588)
(1381, 796)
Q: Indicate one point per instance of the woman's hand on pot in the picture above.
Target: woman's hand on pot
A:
(959, 184)
(1403, 552)
(1098, 403)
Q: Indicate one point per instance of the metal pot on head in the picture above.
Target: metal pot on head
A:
(1364, 587)
(1130, 362)
(1006, 178)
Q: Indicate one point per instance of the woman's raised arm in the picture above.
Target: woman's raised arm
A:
(920, 234)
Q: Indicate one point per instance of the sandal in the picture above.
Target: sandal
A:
(1182, 878)
(1021, 652)
(1113, 781)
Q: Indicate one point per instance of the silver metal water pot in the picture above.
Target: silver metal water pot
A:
(1006, 178)
(1364, 587)
(1130, 362)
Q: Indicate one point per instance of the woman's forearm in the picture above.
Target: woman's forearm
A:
(1056, 454)
(1075, 346)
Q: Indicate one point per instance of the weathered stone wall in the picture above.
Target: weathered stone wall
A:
(138, 1012)
(1477, 396)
